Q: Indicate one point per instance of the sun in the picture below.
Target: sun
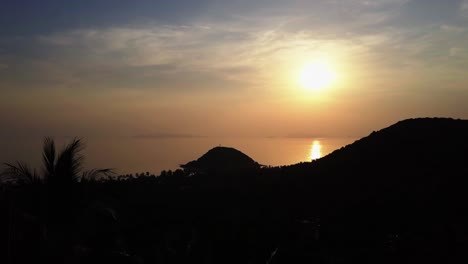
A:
(317, 75)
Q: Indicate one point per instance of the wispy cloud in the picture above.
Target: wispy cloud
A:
(245, 51)
(464, 7)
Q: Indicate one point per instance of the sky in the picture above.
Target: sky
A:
(170, 69)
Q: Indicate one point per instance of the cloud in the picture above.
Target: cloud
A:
(455, 52)
(201, 46)
(248, 51)
(464, 7)
(452, 28)
(130, 56)
(231, 42)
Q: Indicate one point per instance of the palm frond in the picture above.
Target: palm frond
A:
(93, 174)
(70, 161)
(48, 157)
(18, 173)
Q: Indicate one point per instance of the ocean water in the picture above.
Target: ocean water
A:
(133, 155)
(136, 155)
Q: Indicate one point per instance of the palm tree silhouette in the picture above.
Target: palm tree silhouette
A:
(57, 191)
(63, 168)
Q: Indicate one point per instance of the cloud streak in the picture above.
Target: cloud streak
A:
(244, 51)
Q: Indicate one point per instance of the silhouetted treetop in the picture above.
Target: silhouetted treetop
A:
(59, 167)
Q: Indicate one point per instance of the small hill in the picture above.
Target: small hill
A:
(221, 159)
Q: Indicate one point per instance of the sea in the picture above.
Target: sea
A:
(130, 155)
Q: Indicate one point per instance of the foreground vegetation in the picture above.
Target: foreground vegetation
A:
(368, 202)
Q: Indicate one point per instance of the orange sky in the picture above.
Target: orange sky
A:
(230, 68)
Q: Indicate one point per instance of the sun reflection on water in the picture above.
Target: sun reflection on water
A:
(315, 150)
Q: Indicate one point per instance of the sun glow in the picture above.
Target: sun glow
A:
(315, 150)
(317, 75)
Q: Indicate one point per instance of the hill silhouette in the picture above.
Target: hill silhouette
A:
(221, 159)
(413, 158)
(419, 151)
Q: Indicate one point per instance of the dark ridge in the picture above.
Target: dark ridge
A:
(413, 158)
(408, 140)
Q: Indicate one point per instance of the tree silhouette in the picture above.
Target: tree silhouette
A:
(54, 194)
(61, 169)
(19, 173)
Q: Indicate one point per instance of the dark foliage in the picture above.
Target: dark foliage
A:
(396, 196)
